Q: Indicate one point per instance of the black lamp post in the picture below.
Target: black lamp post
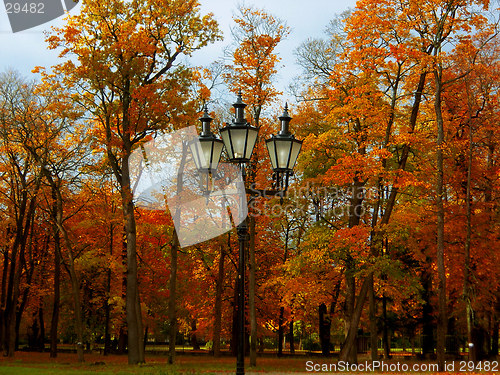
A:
(239, 138)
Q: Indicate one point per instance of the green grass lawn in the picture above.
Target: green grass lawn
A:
(30, 363)
(25, 363)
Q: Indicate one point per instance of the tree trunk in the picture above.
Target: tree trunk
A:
(251, 295)
(29, 268)
(75, 289)
(494, 335)
(194, 339)
(427, 313)
(10, 317)
(349, 325)
(441, 327)
(122, 340)
(3, 299)
(70, 268)
(172, 313)
(280, 331)
(57, 295)
(466, 293)
(292, 338)
(349, 343)
(133, 333)
(13, 308)
(140, 328)
(17, 259)
(123, 337)
(24, 299)
(107, 306)
(325, 324)
(146, 337)
(218, 303)
(172, 316)
(385, 337)
(41, 344)
(133, 316)
(373, 321)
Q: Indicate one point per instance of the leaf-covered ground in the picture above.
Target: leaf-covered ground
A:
(65, 363)
(31, 363)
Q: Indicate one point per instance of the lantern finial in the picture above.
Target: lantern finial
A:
(285, 121)
(205, 123)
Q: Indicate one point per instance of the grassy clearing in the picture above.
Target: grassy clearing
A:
(66, 364)
(40, 363)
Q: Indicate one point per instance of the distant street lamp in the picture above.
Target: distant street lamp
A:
(283, 151)
(239, 139)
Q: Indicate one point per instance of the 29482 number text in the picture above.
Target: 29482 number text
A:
(469, 366)
(24, 7)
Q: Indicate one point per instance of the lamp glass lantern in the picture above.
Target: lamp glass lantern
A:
(283, 148)
(206, 151)
(239, 137)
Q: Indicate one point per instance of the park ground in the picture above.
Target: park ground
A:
(34, 363)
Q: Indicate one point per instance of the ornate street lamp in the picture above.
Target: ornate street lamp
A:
(239, 139)
(206, 153)
(283, 151)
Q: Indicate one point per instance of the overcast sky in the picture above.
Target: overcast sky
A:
(26, 49)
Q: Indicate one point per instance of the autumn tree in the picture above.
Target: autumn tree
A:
(447, 22)
(360, 103)
(122, 70)
(20, 184)
(56, 145)
(387, 58)
(469, 107)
